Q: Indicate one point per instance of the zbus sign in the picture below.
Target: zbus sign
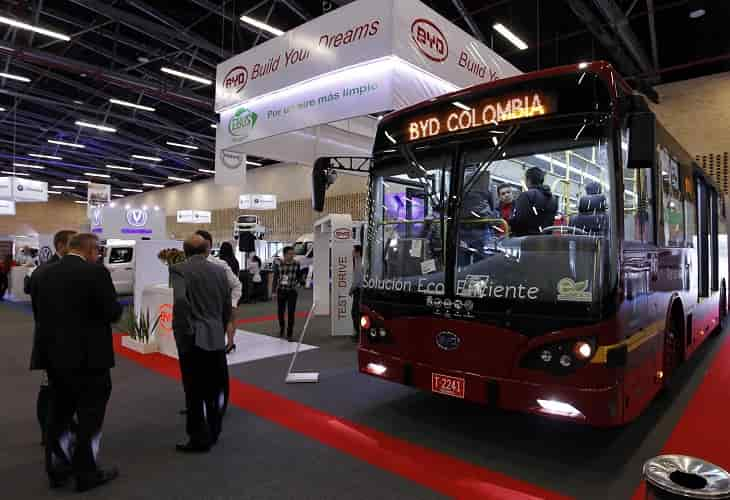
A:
(430, 40)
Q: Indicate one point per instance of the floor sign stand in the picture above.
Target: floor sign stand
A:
(302, 377)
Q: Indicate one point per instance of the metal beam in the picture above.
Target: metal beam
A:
(220, 11)
(150, 28)
(468, 19)
(620, 25)
(296, 8)
(652, 34)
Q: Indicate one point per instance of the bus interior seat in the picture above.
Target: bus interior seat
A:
(591, 216)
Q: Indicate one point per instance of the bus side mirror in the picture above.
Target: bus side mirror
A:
(642, 140)
(319, 182)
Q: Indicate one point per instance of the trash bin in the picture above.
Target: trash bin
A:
(670, 477)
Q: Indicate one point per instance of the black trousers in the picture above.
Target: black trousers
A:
(3, 284)
(85, 393)
(287, 300)
(203, 377)
(356, 312)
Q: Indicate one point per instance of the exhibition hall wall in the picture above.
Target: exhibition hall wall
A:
(40, 218)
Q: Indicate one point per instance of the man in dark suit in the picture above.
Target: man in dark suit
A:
(201, 311)
(75, 304)
(60, 243)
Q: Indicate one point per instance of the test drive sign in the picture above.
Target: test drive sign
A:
(430, 40)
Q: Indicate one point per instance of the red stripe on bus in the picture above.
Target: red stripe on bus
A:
(700, 430)
(440, 472)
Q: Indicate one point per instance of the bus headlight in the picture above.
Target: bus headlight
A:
(560, 358)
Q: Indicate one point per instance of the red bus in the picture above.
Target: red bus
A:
(580, 298)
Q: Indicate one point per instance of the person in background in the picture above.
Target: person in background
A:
(535, 208)
(357, 279)
(506, 199)
(226, 255)
(201, 311)
(254, 268)
(286, 274)
(75, 304)
(60, 243)
(5, 267)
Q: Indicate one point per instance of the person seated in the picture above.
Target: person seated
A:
(592, 208)
(535, 208)
(506, 200)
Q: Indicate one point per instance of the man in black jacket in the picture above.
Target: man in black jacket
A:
(60, 243)
(535, 208)
(75, 304)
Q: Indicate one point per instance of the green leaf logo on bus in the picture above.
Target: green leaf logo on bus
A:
(242, 122)
(571, 291)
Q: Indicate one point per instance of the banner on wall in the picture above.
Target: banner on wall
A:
(127, 223)
(257, 202)
(7, 207)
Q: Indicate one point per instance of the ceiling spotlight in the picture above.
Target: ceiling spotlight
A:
(70, 188)
(130, 190)
(131, 105)
(101, 176)
(177, 144)
(117, 167)
(187, 76)
(25, 165)
(15, 77)
(253, 163)
(148, 158)
(75, 181)
(103, 128)
(150, 185)
(696, 9)
(213, 125)
(118, 195)
(47, 157)
(7, 172)
(179, 179)
(69, 144)
(206, 171)
(143, 60)
(54, 192)
(261, 25)
(2, 110)
(514, 39)
(17, 24)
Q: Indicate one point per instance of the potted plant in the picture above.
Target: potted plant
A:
(140, 332)
(170, 257)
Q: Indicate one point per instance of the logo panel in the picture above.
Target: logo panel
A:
(232, 159)
(430, 40)
(343, 234)
(237, 78)
(242, 122)
(448, 341)
(137, 217)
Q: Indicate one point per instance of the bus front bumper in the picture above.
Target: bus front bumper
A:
(600, 407)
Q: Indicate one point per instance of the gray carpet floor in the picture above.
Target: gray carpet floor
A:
(259, 459)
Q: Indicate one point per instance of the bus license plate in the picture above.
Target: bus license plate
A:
(451, 386)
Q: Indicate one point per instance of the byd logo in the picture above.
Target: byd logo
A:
(430, 40)
(343, 234)
(137, 217)
(236, 78)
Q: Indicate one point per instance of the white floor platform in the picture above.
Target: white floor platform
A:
(252, 346)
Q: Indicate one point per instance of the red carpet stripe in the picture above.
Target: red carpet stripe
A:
(701, 431)
(264, 319)
(440, 472)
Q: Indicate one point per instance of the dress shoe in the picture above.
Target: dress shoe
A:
(191, 447)
(58, 480)
(97, 479)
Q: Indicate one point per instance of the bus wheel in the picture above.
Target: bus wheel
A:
(672, 351)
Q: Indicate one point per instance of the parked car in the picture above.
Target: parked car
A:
(119, 258)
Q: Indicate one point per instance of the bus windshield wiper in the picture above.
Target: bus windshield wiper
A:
(423, 178)
(484, 167)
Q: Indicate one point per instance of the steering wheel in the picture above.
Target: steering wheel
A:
(564, 230)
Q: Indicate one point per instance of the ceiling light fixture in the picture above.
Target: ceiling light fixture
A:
(81, 202)
(516, 41)
(187, 76)
(131, 105)
(148, 158)
(47, 157)
(117, 167)
(213, 125)
(206, 171)
(118, 195)
(75, 181)
(253, 163)
(55, 192)
(42, 31)
(103, 128)
(130, 190)
(150, 185)
(179, 179)
(71, 188)
(25, 165)
(461, 106)
(101, 176)
(177, 144)
(15, 77)
(261, 25)
(7, 172)
(2, 110)
(69, 144)
(696, 9)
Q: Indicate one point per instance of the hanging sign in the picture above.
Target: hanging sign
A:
(194, 216)
(98, 194)
(27, 190)
(257, 202)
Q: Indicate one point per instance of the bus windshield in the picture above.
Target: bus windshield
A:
(530, 226)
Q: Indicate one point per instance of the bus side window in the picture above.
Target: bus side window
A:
(638, 205)
(673, 216)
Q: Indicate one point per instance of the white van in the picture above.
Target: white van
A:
(119, 258)
(304, 251)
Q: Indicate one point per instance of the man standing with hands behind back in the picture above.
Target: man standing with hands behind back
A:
(201, 311)
(286, 274)
(75, 304)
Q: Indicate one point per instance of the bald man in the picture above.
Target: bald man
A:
(201, 311)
